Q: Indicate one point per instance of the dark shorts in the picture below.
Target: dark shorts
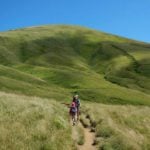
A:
(72, 113)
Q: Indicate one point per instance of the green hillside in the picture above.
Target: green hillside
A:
(41, 67)
(55, 61)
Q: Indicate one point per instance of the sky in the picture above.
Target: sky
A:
(127, 18)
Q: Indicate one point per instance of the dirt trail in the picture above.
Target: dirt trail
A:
(89, 137)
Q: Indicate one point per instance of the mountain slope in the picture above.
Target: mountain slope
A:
(63, 59)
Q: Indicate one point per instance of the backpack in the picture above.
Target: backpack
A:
(73, 109)
(77, 103)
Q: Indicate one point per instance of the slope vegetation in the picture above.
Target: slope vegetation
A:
(33, 123)
(55, 61)
(119, 127)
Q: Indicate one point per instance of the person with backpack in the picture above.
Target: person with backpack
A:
(77, 102)
(73, 111)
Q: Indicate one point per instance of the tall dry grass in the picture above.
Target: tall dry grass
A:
(31, 123)
(120, 127)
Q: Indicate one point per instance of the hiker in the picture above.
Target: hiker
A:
(73, 112)
(77, 102)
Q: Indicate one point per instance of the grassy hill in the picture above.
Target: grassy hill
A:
(48, 64)
(54, 61)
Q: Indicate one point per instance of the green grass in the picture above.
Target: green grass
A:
(33, 123)
(55, 61)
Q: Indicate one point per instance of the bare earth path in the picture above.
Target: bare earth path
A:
(89, 138)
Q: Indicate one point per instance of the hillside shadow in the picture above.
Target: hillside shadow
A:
(73, 44)
(132, 76)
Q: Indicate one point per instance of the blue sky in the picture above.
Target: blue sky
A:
(128, 18)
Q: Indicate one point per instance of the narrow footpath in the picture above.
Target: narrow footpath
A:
(88, 135)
